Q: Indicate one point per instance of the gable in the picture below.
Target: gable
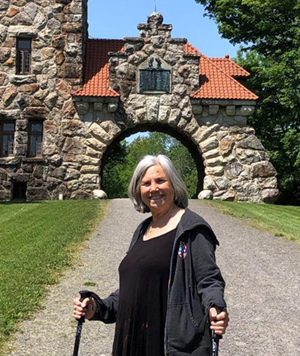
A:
(217, 75)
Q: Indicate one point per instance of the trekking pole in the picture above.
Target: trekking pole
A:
(215, 344)
(83, 294)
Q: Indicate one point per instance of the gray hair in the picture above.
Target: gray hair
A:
(173, 176)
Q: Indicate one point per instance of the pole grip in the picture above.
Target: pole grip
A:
(83, 294)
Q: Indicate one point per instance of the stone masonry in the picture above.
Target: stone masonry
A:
(58, 30)
(78, 128)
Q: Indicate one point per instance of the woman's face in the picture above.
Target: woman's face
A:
(156, 190)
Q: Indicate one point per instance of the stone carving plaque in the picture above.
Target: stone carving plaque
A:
(154, 78)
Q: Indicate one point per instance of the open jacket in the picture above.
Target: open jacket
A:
(195, 285)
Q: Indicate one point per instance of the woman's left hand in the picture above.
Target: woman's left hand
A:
(218, 322)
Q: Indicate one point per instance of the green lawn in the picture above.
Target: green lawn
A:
(279, 219)
(37, 242)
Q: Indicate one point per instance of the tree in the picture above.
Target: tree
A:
(123, 158)
(269, 31)
(113, 178)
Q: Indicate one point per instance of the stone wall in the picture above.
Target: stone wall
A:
(58, 29)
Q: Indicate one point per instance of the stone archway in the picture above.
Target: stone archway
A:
(192, 148)
(159, 81)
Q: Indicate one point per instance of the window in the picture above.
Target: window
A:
(35, 138)
(7, 131)
(23, 55)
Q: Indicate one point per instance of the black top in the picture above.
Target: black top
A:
(144, 275)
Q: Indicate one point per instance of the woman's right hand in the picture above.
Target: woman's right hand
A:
(86, 308)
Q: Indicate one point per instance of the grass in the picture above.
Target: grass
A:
(280, 220)
(37, 242)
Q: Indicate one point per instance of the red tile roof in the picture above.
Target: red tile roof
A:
(217, 78)
(96, 71)
(230, 67)
(216, 74)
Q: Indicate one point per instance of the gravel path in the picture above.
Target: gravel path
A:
(263, 285)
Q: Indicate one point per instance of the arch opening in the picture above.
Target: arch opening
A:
(116, 169)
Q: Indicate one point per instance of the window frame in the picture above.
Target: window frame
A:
(21, 59)
(32, 133)
(9, 133)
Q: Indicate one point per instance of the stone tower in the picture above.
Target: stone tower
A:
(41, 62)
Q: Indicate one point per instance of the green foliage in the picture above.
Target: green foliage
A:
(37, 242)
(114, 177)
(124, 157)
(269, 31)
(270, 26)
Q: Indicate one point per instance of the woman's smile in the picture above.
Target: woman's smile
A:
(156, 190)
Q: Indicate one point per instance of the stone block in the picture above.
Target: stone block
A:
(21, 19)
(230, 110)
(9, 95)
(247, 110)
(209, 131)
(250, 142)
(99, 194)
(222, 183)
(72, 174)
(191, 128)
(248, 156)
(152, 108)
(112, 107)
(164, 113)
(205, 194)
(270, 196)
(233, 170)
(98, 106)
(262, 169)
(89, 169)
(23, 79)
(96, 144)
(213, 109)
(269, 183)
(82, 107)
(55, 160)
(225, 145)
(141, 115)
(213, 162)
(217, 195)
(197, 109)
(214, 171)
(209, 144)
(209, 183)
(93, 153)
(37, 193)
(80, 194)
(229, 196)
(90, 161)
(89, 178)
(175, 116)
(59, 173)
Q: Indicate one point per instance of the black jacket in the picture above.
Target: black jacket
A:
(195, 285)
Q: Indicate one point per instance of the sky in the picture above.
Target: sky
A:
(115, 19)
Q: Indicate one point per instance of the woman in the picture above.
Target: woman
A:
(171, 290)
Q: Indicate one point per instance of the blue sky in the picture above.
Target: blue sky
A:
(116, 19)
